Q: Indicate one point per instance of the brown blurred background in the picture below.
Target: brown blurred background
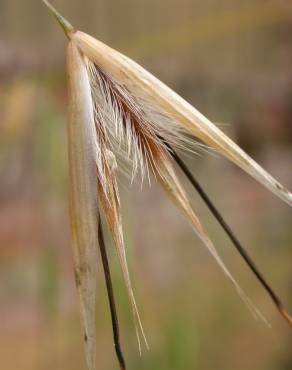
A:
(232, 60)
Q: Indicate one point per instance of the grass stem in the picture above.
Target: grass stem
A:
(67, 27)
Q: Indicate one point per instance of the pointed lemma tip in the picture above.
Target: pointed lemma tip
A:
(286, 315)
(67, 27)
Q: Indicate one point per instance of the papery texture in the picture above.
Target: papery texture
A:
(83, 195)
(142, 83)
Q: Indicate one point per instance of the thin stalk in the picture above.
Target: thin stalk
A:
(231, 236)
(111, 298)
(67, 27)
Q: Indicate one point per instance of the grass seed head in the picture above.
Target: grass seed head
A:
(120, 110)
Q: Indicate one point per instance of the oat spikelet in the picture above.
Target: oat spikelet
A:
(142, 83)
(120, 114)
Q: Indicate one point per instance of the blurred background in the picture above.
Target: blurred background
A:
(232, 60)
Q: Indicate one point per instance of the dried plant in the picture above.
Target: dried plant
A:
(121, 118)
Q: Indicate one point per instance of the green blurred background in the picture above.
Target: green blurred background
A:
(232, 60)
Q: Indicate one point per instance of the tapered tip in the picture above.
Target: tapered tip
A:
(67, 27)
(286, 315)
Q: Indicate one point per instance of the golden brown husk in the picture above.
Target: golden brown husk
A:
(83, 197)
(127, 72)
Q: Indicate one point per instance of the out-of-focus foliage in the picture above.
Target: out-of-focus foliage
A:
(232, 60)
